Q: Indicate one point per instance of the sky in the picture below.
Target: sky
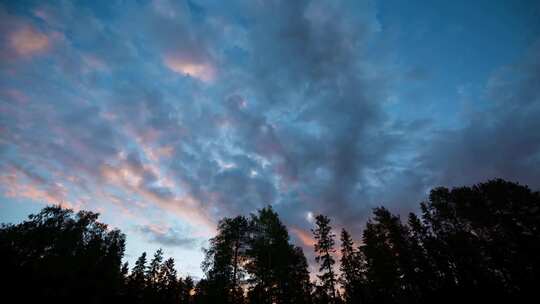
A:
(165, 116)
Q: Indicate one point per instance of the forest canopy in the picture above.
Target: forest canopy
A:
(480, 242)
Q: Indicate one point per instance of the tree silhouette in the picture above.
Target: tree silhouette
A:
(478, 243)
(489, 234)
(137, 280)
(154, 278)
(324, 248)
(298, 278)
(186, 289)
(222, 262)
(386, 250)
(170, 287)
(61, 256)
(351, 270)
(277, 270)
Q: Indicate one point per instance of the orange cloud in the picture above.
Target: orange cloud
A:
(201, 70)
(27, 41)
(305, 237)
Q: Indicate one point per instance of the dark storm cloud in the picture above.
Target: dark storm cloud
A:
(312, 71)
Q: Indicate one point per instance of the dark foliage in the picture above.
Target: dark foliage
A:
(255, 256)
(324, 248)
(351, 270)
(479, 243)
(59, 255)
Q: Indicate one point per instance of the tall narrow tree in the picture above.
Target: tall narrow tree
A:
(153, 276)
(154, 269)
(350, 269)
(324, 248)
(169, 291)
(137, 280)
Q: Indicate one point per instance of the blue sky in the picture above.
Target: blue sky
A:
(165, 116)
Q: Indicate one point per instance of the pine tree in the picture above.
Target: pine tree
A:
(350, 268)
(268, 256)
(153, 275)
(154, 269)
(169, 290)
(186, 291)
(324, 248)
(278, 271)
(390, 267)
(137, 280)
(124, 271)
(425, 276)
(299, 291)
(223, 261)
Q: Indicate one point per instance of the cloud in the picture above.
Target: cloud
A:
(27, 41)
(21, 38)
(306, 238)
(497, 142)
(291, 129)
(202, 71)
(134, 177)
(168, 237)
(22, 183)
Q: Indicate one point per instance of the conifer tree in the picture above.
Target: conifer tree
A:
(278, 270)
(350, 269)
(223, 260)
(153, 277)
(137, 280)
(186, 291)
(324, 248)
(168, 284)
(154, 269)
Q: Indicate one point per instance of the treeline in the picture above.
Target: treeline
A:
(479, 243)
(58, 256)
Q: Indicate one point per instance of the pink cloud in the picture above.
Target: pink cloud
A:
(128, 178)
(27, 41)
(18, 184)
